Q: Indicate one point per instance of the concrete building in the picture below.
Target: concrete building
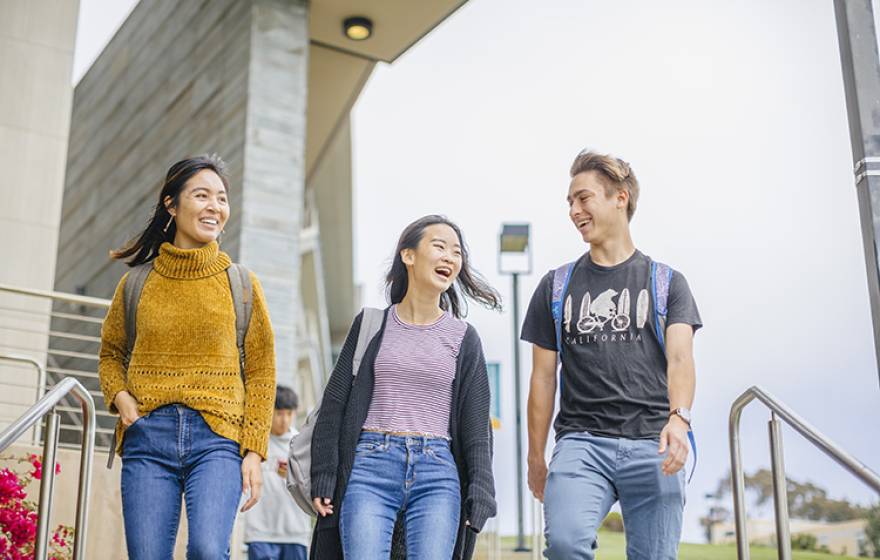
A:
(268, 85)
(36, 48)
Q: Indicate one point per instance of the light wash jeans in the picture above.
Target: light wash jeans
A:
(169, 453)
(392, 473)
(588, 474)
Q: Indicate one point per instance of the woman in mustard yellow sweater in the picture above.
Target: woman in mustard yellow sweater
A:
(193, 421)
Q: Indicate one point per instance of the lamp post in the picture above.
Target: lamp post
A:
(515, 258)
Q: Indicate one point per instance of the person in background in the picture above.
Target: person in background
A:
(276, 529)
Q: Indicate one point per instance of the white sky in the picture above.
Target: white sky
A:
(733, 118)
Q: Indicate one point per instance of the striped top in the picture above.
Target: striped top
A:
(414, 369)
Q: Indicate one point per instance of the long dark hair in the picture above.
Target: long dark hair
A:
(145, 247)
(469, 281)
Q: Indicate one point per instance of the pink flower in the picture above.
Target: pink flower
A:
(18, 518)
(37, 473)
(10, 487)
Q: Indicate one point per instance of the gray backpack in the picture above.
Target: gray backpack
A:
(242, 302)
(299, 461)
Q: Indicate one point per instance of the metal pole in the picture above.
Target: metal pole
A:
(780, 491)
(41, 386)
(47, 483)
(537, 529)
(520, 535)
(860, 63)
(87, 454)
(737, 479)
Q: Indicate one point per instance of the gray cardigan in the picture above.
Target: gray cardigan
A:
(344, 409)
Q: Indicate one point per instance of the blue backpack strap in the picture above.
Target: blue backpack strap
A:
(561, 277)
(661, 279)
(693, 441)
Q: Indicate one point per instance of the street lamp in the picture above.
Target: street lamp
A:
(515, 258)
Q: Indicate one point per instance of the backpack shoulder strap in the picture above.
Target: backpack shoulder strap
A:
(371, 322)
(661, 278)
(134, 286)
(243, 303)
(561, 277)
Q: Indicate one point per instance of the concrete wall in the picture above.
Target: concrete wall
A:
(274, 170)
(172, 83)
(183, 78)
(36, 59)
(179, 79)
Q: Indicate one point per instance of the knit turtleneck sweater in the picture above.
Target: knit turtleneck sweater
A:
(185, 351)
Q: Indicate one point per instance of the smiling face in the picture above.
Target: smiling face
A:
(201, 212)
(597, 215)
(435, 263)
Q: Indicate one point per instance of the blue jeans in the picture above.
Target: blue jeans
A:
(587, 474)
(169, 453)
(276, 551)
(416, 475)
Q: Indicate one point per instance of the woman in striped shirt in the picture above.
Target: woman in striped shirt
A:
(408, 434)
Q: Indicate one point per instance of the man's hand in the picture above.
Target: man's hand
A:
(251, 479)
(674, 438)
(127, 407)
(542, 397)
(537, 477)
(323, 506)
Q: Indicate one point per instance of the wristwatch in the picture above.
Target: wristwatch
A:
(682, 413)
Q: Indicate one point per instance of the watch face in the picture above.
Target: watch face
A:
(684, 413)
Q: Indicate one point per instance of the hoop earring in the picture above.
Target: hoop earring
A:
(168, 225)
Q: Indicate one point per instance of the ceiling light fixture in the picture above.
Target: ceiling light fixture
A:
(357, 28)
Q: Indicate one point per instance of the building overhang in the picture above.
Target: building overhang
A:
(339, 67)
(396, 24)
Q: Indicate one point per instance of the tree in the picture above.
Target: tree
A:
(806, 500)
(872, 534)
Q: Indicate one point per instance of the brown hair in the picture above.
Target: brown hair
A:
(616, 175)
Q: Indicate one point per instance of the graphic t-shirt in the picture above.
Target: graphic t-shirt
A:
(613, 380)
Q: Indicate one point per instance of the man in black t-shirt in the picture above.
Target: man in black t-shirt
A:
(627, 379)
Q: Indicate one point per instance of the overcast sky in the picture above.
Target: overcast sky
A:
(733, 118)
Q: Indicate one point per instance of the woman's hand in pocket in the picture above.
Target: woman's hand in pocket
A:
(127, 407)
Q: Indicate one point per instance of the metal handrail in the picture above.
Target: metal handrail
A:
(59, 296)
(35, 414)
(780, 499)
(41, 381)
(70, 350)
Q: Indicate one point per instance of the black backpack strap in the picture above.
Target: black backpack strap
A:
(131, 296)
(243, 303)
(134, 286)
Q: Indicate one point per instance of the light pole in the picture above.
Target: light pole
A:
(515, 258)
(859, 58)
